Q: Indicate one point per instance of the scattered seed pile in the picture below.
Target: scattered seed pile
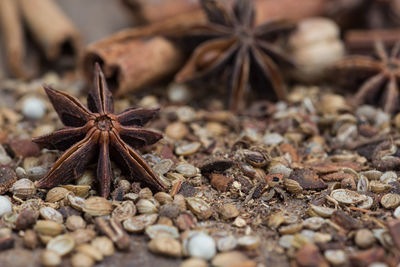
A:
(307, 182)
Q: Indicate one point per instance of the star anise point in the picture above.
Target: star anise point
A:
(97, 133)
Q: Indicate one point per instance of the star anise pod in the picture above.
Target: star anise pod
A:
(97, 133)
(383, 73)
(232, 40)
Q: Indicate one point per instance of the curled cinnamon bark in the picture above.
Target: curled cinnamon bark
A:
(51, 28)
(133, 63)
(158, 57)
(157, 11)
(13, 38)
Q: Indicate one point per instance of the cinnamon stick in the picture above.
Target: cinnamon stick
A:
(52, 29)
(134, 63)
(157, 11)
(362, 41)
(13, 38)
(116, 51)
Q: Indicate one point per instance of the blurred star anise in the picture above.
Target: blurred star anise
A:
(232, 40)
(96, 132)
(381, 87)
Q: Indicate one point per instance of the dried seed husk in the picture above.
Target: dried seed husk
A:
(390, 201)
(290, 229)
(324, 212)
(124, 211)
(82, 236)
(346, 196)
(165, 245)
(56, 194)
(50, 258)
(313, 223)
(49, 228)
(76, 202)
(249, 242)
(363, 184)
(48, 213)
(145, 193)
(275, 220)
(255, 158)
(378, 187)
(104, 245)
(62, 244)
(30, 239)
(81, 260)
(199, 207)
(366, 204)
(292, 186)
(23, 188)
(90, 251)
(146, 206)
(163, 198)
(159, 229)
(138, 223)
(372, 174)
(87, 178)
(75, 222)
(97, 206)
(78, 190)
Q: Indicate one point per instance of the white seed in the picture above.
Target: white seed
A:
(313, 223)
(50, 258)
(138, 223)
(90, 251)
(81, 260)
(188, 149)
(346, 196)
(364, 238)
(33, 108)
(75, 222)
(165, 245)
(388, 177)
(272, 139)
(286, 241)
(62, 244)
(390, 201)
(335, 257)
(232, 258)
(5, 205)
(104, 245)
(226, 243)
(23, 188)
(201, 246)
(186, 169)
(146, 206)
(249, 242)
(160, 229)
(48, 213)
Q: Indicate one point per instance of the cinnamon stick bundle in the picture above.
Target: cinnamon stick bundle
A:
(363, 41)
(55, 34)
(157, 11)
(116, 51)
(13, 37)
(132, 64)
(52, 29)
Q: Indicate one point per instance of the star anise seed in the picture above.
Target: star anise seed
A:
(232, 39)
(383, 74)
(97, 133)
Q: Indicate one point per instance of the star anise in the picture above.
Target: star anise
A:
(97, 133)
(232, 40)
(383, 74)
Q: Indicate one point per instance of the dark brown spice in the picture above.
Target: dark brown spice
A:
(98, 132)
(381, 85)
(233, 40)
